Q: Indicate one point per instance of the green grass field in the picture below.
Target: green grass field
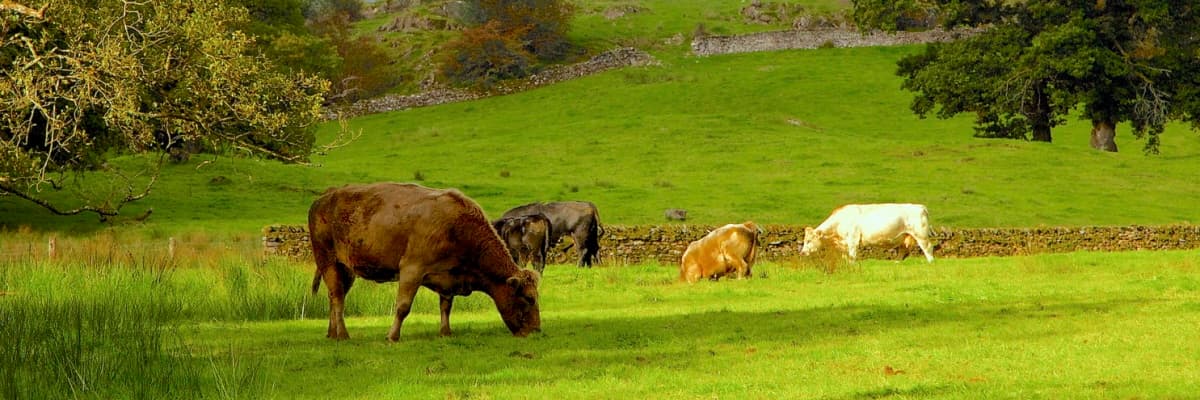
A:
(778, 138)
(1080, 325)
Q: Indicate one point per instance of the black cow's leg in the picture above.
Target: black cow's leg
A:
(538, 257)
(580, 240)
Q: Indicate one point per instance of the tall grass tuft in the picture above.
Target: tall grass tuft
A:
(107, 316)
(99, 331)
(101, 319)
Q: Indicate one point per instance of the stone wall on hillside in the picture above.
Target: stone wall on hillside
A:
(631, 244)
(812, 39)
(615, 58)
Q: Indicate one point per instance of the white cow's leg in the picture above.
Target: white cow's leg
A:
(852, 249)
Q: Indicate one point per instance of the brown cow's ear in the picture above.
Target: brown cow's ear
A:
(524, 278)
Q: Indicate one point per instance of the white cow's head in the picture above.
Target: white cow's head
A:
(812, 241)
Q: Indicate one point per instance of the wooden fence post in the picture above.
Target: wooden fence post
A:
(51, 250)
(171, 248)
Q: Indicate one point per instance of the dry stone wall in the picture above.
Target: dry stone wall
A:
(631, 244)
(812, 39)
(615, 58)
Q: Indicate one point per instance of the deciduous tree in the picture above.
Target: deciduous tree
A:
(1034, 62)
(86, 81)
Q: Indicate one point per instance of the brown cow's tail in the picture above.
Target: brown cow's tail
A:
(315, 234)
(316, 283)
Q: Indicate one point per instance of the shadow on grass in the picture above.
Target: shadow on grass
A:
(578, 349)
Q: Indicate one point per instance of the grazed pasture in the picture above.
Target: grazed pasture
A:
(1080, 325)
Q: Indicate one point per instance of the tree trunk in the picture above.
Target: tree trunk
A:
(1103, 135)
(1040, 116)
(1041, 133)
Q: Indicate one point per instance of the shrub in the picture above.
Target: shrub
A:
(365, 68)
(507, 39)
(484, 56)
(540, 25)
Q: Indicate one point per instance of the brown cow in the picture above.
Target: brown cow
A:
(527, 238)
(730, 248)
(416, 236)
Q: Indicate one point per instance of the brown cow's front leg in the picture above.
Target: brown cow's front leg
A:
(446, 303)
(408, 284)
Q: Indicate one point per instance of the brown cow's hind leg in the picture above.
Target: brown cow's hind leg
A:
(338, 281)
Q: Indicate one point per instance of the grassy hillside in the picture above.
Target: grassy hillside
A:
(661, 26)
(779, 137)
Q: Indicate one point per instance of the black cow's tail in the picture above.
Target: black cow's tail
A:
(593, 245)
(545, 250)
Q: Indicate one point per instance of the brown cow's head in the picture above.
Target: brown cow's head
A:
(521, 313)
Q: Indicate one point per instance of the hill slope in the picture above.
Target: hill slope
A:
(778, 137)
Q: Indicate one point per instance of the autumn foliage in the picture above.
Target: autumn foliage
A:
(507, 39)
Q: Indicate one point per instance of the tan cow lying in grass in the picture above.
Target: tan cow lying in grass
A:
(855, 225)
(728, 249)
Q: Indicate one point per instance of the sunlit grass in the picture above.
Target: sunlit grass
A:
(1078, 325)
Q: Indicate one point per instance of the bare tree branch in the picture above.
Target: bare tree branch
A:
(6, 5)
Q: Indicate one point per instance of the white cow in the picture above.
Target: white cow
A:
(855, 225)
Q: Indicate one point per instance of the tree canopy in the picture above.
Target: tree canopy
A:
(85, 81)
(1030, 64)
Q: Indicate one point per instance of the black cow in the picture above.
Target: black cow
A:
(527, 238)
(579, 219)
